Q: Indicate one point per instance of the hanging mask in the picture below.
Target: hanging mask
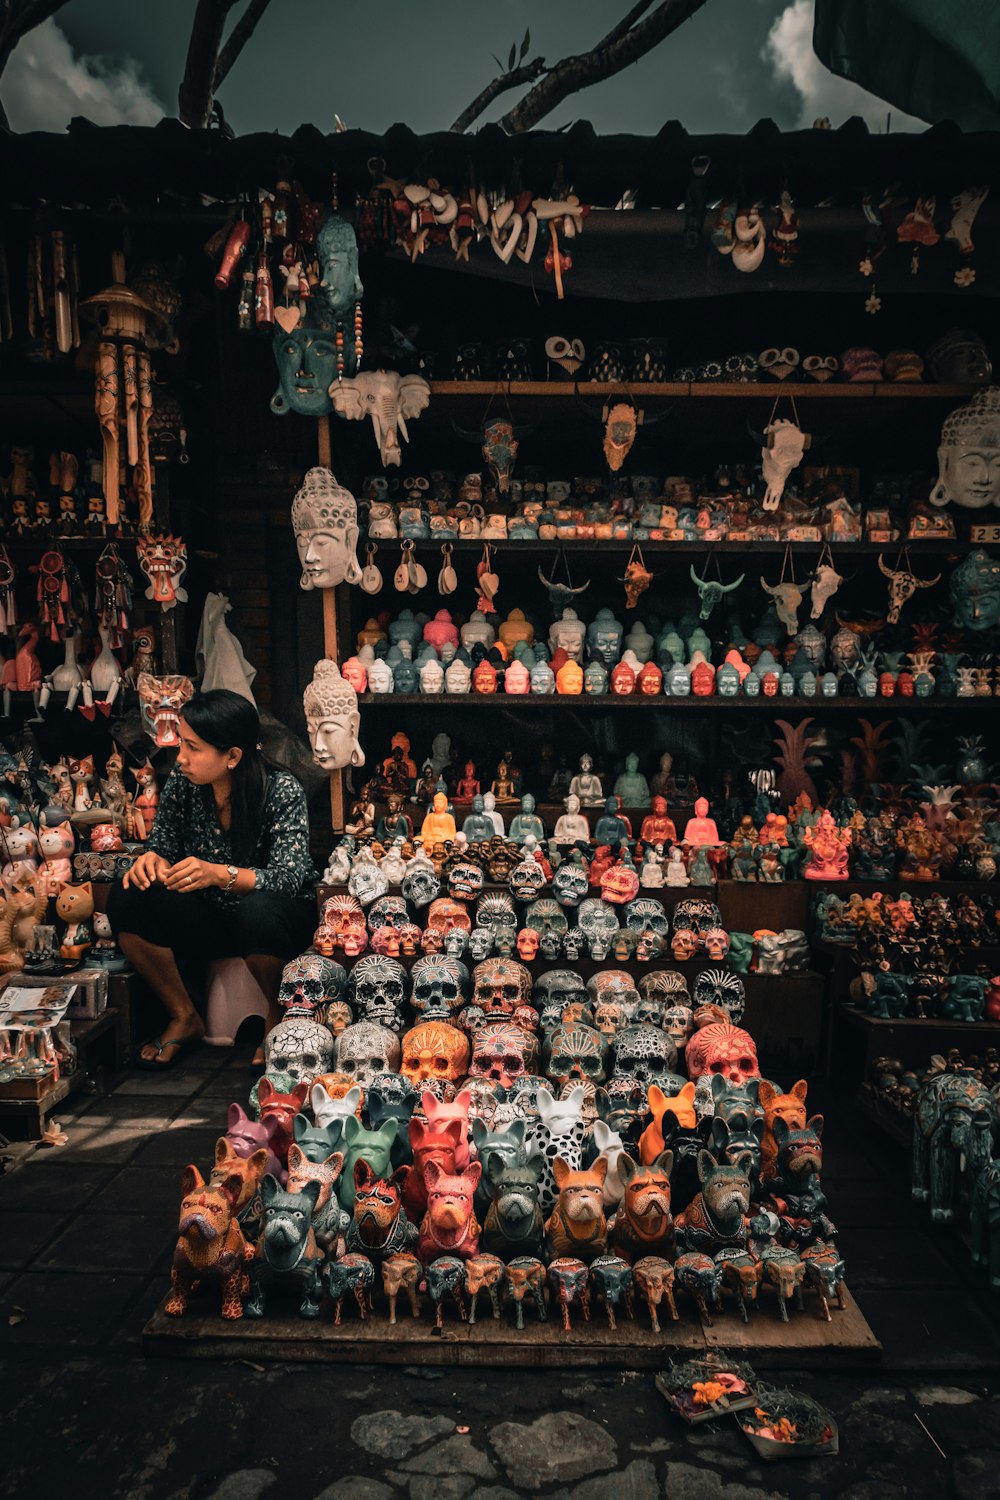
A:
(784, 445)
(620, 424)
(637, 578)
(903, 584)
(712, 591)
(163, 559)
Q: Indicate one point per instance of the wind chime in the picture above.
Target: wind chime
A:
(124, 389)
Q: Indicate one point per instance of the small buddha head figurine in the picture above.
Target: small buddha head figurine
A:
(332, 718)
(325, 521)
(969, 454)
(337, 253)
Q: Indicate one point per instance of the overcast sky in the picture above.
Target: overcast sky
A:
(735, 62)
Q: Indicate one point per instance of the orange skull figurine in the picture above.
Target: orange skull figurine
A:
(434, 1052)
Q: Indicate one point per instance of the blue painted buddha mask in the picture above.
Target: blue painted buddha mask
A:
(307, 366)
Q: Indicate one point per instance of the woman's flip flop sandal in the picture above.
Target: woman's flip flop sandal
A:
(179, 1045)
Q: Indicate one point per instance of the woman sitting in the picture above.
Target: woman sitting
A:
(226, 872)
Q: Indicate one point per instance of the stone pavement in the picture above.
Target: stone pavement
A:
(86, 1232)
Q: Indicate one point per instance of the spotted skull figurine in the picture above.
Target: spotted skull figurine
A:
(378, 989)
(723, 988)
(576, 1052)
(300, 1048)
(441, 986)
(420, 883)
(727, 1051)
(645, 1054)
(435, 1053)
(502, 1051)
(309, 984)
(366, 1048)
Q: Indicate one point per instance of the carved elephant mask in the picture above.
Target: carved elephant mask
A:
(389, 399)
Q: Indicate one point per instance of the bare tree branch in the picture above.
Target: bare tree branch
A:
(238, 38)
(17, 18)
(625, 24)
(575, 73)
(194, 97)
(500, 85)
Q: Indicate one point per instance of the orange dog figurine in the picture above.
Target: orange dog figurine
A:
(651, 1142)
(577, 1226)
(210, 1244)
(789, 1107)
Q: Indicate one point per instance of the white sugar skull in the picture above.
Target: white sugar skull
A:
(596, 918)
(646, 915)
(366, 1049)
(495, 910)
(367, 880)
(441, 986)
(420, 883)
(299, 1048)
(378, 988)
(645, 1054)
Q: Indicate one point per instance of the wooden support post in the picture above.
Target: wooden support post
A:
(330, 637)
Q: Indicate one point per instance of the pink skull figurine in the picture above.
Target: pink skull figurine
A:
(527, 943)
(727, 1051)
(503, 1052)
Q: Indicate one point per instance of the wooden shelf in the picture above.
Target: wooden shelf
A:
(927, 547)
(862, 1019)
(704, 390)
(530, 702)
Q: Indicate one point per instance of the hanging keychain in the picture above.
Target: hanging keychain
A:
(447, 578)
(8, 601)
(371, 577)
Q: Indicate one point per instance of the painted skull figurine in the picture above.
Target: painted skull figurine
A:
(570, 884)
(553, 992)
(526, 879)
(644, 1053)
(309, 984)
(576, 1052)
(378, 989)
(596, 919)
(723, 988)
(441, 986)
(668, 985)
(500, 987)
(421, 885)
(502, 1051)
(300, 1048)
(727, 1051)
(496, 909)
(678, 1023)
(647, 915)
(616, 985)
(388, 911)
(364, 1049)
(435, 1052)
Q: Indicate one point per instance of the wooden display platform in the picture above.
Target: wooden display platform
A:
(805, 1342)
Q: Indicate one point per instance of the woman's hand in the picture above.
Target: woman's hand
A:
(193, 875)
(149, 868)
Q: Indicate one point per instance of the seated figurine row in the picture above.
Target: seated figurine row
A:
(968, 919)
(952, 997)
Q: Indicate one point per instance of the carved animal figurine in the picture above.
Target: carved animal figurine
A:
(402, 1273)
(329, 1221)
(742, 1274)
(379, 1227)
(210, 1245)
(446, 1274)
(507, 1145)
(23, 909)
(702, 1277)
(315, 1141)
(250, 1171)
(484, 1273)
(790, 1107)
(440, 1113)
(643, 1226)
(569, 1280)
(824, 1271)
(681, 1106)
(785, 1271)
(719, 1215)
(577, 1226)
(75, 907)
(245, 1136)
(145, 801)
(354, 1274)
(282, 1108)
(56, 843)
(21, 854)
(381, 1106)
(286, 1248)
(514, 1224)
(954, 1118)
(428, 1143)
(558, 1131)
(654, 1280)
(374, 1146)
(608, 1146)
(611, 1281)
(326, 1109)
(526, 1275)
(449, 1226)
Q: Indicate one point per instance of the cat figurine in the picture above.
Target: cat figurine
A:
(75, 907)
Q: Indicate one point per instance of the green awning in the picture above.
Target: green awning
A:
(935, 59)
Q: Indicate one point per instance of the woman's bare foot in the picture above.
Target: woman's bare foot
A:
(258, 1058)
(181, 1030)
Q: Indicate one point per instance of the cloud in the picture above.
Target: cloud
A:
(789, 50)
(44, 85)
